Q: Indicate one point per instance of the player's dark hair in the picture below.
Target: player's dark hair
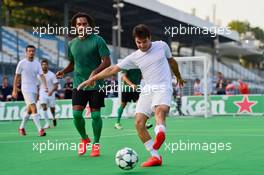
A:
(197, 80)
(30, 46)
(141, 31)
(4, 78)
(44, 60)
(89, 19)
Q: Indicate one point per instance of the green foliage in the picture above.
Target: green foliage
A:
(259, 33)
(243, 27)
(239, 26)
(15, 13)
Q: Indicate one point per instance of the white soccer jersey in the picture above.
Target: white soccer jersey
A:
(51, 80)
(29, 71)
(153, 64)
(156, 74)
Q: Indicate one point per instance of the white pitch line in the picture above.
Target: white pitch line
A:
(72, 138)
(60, 131)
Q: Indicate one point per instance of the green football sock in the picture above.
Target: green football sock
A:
(97, 124)
(119, 113)
(79, 123)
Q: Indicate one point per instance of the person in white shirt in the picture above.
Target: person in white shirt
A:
(47, 99)
(28, 70)
(197, 88)
(154, 59)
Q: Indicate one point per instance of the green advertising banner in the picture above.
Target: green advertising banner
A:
(224, 105)
(15, 110)
(191, 105)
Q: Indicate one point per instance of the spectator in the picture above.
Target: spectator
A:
(112, 87)
(197, 89)
(209, 86)
(220, 84)
(230, 88)
(5, 90)
(19, 92)
(60, 92)
(68, 88)
(243, 87)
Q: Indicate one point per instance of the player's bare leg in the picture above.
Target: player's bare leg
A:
(140, 123)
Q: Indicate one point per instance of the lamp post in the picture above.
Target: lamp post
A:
(118, 5)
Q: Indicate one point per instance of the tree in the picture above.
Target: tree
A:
(259, 33)
(15, 13)
(239, 26)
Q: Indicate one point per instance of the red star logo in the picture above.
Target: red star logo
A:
(245, 105)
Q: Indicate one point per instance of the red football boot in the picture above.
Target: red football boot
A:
(152, 161)
(83, 145)
(95, 150)
(22, 131)
(42, 133)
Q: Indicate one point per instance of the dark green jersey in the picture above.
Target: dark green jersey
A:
(86, 55)
(134, 75)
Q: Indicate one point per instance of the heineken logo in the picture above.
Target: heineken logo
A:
(245, 106)
(221, 105)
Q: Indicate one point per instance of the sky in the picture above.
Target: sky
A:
(226, 10)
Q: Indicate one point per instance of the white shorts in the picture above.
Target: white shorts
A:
(148, 101)
(48, 100)
(30, 98)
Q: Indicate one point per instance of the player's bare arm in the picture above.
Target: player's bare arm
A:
(103, 74)
(16, 79)
(175, 68)
(126, 79)
(69, 68)
(106, 62)
(55, 88)
(37, 95)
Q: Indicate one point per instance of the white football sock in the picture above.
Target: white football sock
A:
(155, 153)
(159, 128)
(36, 121)
(24, 120)
(149, 146)
(46, 117)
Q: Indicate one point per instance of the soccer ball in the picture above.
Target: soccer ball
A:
(126, 158)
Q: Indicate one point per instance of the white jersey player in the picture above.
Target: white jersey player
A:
(28, 70)
(47, 99)
(154, 59)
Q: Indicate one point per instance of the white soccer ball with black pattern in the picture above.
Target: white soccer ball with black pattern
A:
(126, 158)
